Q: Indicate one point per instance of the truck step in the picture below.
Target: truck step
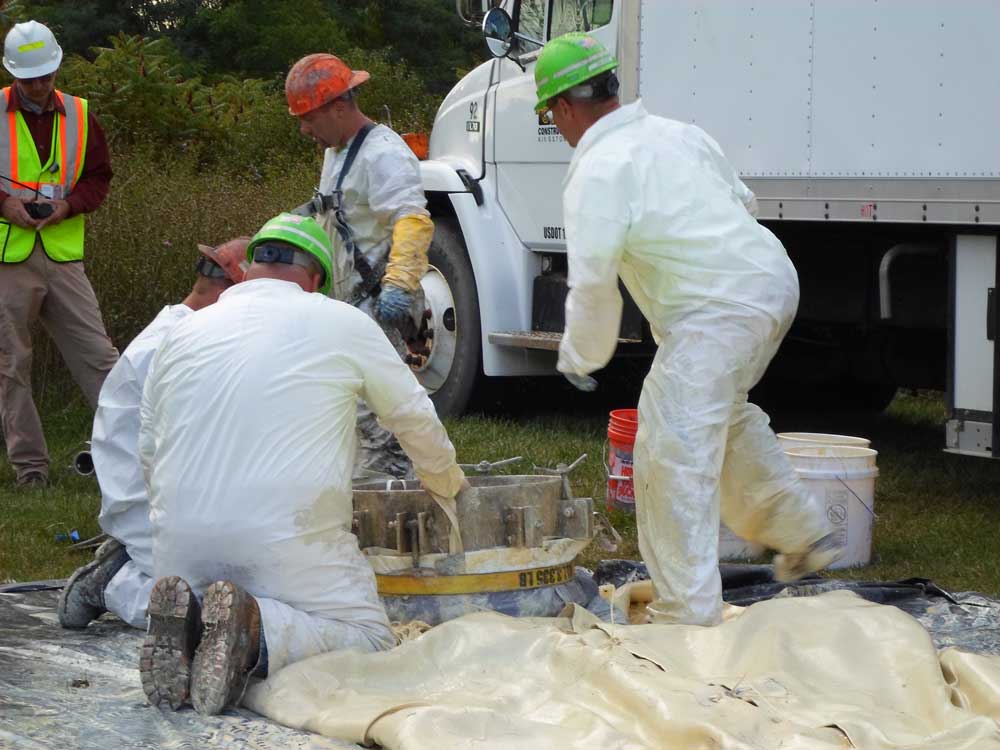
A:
(548, 340)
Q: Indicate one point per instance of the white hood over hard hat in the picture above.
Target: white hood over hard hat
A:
(31, 50)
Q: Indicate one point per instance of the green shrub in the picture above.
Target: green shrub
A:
(141, 243)
(140, 95)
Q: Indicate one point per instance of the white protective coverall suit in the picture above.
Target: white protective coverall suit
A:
(382, 187)
(247, 442)
(115, 450)
(655, 202)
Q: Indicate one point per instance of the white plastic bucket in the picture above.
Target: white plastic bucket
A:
(806, 439)
(844, 479)
(733, 547)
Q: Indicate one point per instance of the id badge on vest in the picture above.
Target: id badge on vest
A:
(52, 192)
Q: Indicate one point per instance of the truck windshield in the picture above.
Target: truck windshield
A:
(531, 19)
(578, 15)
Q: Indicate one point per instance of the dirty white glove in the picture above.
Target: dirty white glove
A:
(450, 507)
(581, 382)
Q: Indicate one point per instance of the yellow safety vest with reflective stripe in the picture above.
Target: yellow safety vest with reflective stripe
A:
(56, 178)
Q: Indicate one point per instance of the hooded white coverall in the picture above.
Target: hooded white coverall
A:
(382, 187)
(247, 443)
(655, 202)
(115, 450)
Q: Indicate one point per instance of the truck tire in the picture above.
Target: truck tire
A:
(453, 365)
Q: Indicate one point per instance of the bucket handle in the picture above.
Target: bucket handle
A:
(607, 466)
(863, 503)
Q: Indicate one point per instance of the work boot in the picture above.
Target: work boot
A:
(791, 566)
(169, 647)
(33, 480)
(82, 598)
(229, 650)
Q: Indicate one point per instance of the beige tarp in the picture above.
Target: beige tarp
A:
(798, 674)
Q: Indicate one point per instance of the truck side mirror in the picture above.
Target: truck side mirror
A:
(498, 28)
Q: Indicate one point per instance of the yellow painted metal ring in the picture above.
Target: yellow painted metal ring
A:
(474, 583)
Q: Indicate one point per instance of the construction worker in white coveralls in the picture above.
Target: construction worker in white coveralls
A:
(247, 441)
(655, 202)
(119, 578)
(371, 202)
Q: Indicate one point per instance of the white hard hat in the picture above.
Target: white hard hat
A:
(31, 50)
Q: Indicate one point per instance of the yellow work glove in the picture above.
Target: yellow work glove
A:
(411, 237)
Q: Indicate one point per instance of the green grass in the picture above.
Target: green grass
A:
(938, 514)
(30, 519)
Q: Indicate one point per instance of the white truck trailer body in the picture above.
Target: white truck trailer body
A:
(863, 127)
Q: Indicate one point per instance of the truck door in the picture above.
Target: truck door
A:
(531, 157)
(973, 383)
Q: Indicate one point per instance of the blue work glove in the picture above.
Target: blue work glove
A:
(393, 305)
(581, 382)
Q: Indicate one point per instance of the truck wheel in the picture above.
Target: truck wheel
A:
(450, 339)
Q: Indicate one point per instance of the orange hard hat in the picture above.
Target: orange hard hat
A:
(317, 79)
(230, 256)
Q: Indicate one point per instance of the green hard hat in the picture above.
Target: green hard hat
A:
(568, 61)
(302, 232)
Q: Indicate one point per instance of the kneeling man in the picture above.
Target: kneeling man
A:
(248, 444)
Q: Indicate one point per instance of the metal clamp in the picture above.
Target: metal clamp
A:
(523, 527)
(563, 471)
(412, 534)
(487, 467)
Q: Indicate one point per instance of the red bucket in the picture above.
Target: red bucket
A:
(621, 441)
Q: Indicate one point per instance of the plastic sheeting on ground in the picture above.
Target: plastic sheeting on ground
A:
(80, 689)
(811, 673)
(967, 620)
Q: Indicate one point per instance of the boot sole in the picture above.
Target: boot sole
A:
(218, 676)
(167, 651)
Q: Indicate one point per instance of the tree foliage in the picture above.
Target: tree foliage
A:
(262, 38)
(427, 34)
(141, 95)
(139, 90)
(259, 37)
(206, 76)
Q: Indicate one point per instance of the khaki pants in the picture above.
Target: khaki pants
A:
(59, 295)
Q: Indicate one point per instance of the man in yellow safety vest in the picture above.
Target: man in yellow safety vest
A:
(54, 168)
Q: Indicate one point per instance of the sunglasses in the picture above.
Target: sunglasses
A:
(208, 268)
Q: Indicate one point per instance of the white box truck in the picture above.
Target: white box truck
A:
(866, 128)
